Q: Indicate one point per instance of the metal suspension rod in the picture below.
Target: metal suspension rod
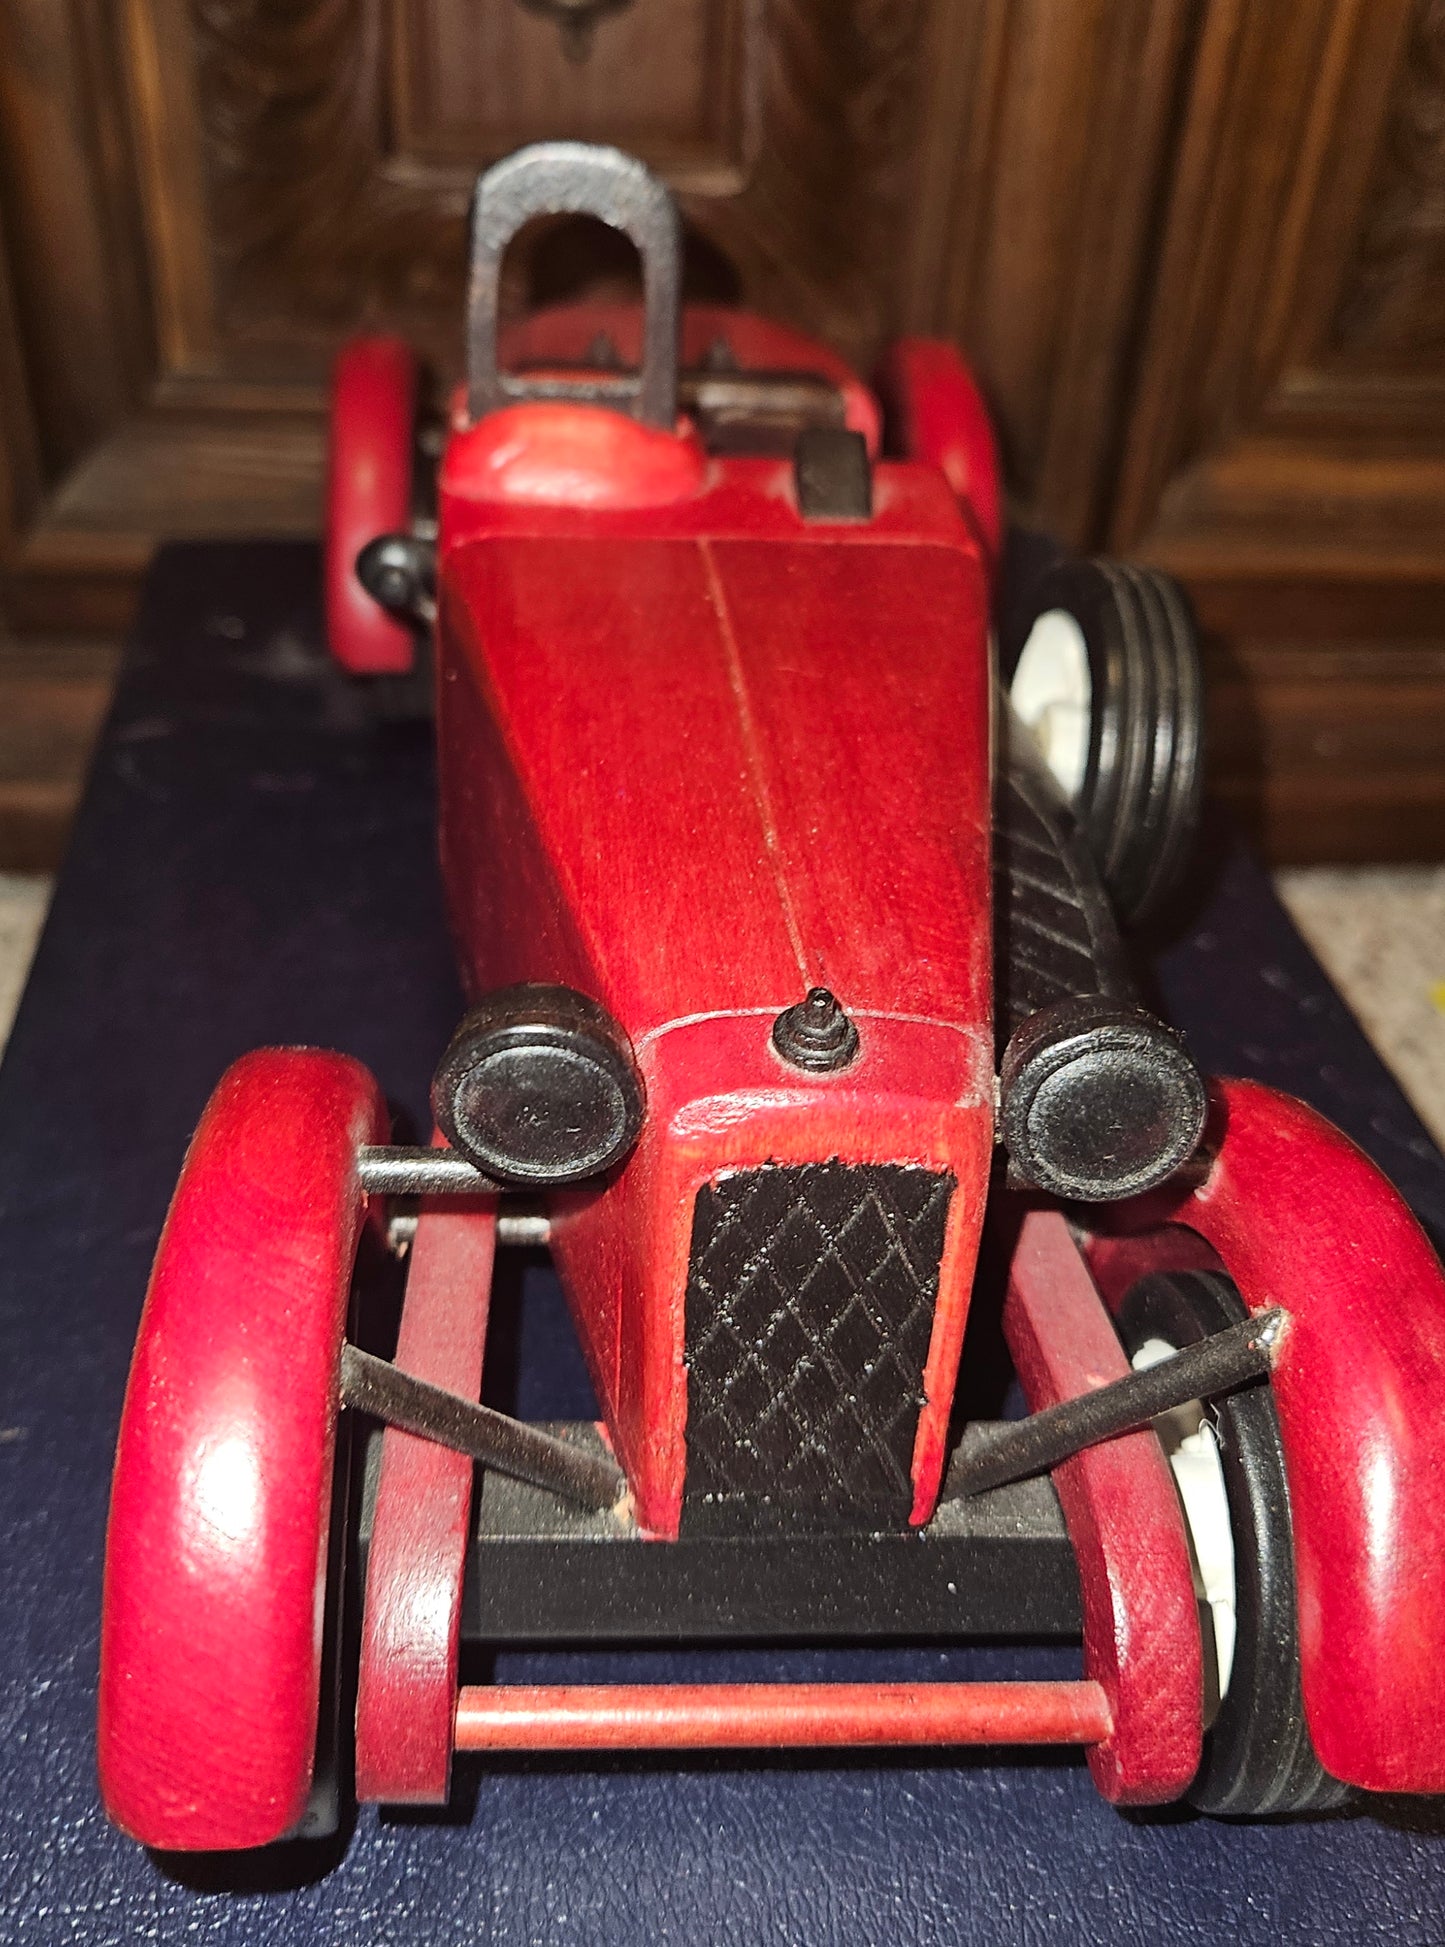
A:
(392, 1170)
(508, 1446)
(1214, 1365)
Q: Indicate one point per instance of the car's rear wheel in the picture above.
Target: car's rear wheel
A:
(368, 494)
(1103, 667)
(1228, 1463)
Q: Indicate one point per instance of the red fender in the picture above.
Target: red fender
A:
(210, 1644)
(943, 421)
(368, 492)
(1299, 1217)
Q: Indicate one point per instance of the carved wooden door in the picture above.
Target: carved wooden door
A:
(1194, 248)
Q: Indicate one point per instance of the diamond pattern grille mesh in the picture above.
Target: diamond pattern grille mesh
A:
(810, 1301)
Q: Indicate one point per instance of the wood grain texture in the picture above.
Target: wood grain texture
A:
(1392, 304)
(310, 230)
(216, 1550)
(662, 710)
(53, 697)
(1241, 421)
(1331, 749)
(1301, 1219)
(1141, 1622)
(1193, 252)
(775, 1716)
(1047, 137)
(818, 229)
(1282, 449)
(372, 432)
(411, 1621)
(672, 81)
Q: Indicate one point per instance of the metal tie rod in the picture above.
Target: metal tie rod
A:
(1218, 1364)
(508, 1446)
(395, 1170)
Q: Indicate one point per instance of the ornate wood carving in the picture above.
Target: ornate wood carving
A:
(1196, 249)
(819, 229)
(1283, 453)
(666, 79)
(1393, 305)
(308, 230)
(316, 224)
(576, 21)
(1266, 435)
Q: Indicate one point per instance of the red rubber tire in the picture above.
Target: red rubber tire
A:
(368, 492)
(211, 1626)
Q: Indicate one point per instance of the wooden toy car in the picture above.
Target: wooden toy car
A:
(788, 942)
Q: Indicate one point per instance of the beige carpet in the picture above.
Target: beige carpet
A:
(1380, 932)
(22, 912)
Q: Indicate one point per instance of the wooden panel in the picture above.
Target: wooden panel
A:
(71, 230)
(673, 81)
(339, 160)
(52, 699)
(1331, 750)
(1392, 300)
(1254, 424)
(1035, 218)
(1285, 448)
(1196, 249)
(204, 196)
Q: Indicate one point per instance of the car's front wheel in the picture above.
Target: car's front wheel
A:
(1228, 1463)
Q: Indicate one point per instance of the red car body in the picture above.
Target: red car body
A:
(701, 751)
(729, 754)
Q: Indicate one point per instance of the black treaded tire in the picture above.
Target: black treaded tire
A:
(1258, 1759)
(1140, 799)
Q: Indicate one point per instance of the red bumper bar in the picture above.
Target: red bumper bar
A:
(694, 1716)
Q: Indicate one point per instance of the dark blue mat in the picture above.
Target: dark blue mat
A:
(254, 863)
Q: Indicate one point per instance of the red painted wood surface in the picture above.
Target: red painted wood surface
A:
(565, 455)
(720, 773)
(742, 499)
(368, 492)
(210, 1652)
(1302, 1219)
(1118, 1259)
(411, 1622)
(565, 334)
(944, 423)
(768, 1716)
(718, 1097)
(1141, 1621)
(728, 755)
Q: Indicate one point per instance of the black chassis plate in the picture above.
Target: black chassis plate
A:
(990, 1565)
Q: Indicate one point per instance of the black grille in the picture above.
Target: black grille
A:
(810, 1296)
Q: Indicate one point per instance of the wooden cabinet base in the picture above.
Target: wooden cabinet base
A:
(53, 696)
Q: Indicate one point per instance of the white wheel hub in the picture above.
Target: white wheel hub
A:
(1052, 693)
(1193, 1454)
